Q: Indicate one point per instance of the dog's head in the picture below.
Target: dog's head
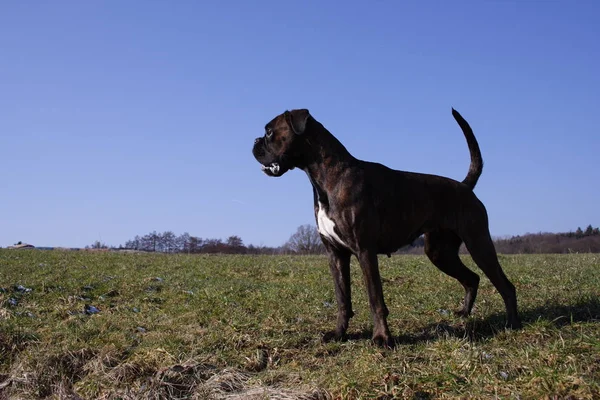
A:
(281, 147)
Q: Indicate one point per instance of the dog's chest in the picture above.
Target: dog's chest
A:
(326, 227)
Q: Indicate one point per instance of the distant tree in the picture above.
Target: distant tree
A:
(306, 240)
(213, 246)
(195, 244)
(150, 242)
(167, 241)
(235, 245)
(182, 242)
(135, 244)
(578, 233)
(235, 241)
(98, 245)
(589, 231)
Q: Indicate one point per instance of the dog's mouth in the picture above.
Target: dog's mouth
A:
(271, 169)
(271, 164)
(274, 169)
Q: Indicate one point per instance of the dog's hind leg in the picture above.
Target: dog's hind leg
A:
(442, 249)
(481, 248)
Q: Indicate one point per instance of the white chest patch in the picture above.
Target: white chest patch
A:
(326, 226)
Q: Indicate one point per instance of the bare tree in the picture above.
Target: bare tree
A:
(168, 242)
(135, 244)
(195, 244)
(234, 241)
(182, 243)
(306, 240)
(212, 246)
(96, 245)
(150, 242)
(235, 245)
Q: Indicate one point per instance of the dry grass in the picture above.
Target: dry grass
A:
(251, 327)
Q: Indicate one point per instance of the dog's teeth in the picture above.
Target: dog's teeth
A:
(273, 167)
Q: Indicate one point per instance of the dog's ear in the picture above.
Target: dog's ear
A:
(297, 119)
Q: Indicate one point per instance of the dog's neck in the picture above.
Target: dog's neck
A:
(332, 157)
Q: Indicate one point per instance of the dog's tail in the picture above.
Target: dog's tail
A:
(476, 161)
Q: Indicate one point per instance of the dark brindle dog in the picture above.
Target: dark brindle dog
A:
(365, 209)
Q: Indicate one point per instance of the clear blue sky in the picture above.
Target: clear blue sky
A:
(120, 118)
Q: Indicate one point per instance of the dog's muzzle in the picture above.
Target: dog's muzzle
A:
(269, 165)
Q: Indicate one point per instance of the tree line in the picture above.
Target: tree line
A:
(306, 240)
(580, 241)
(169, 242)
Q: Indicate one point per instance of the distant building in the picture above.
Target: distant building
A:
(22, 246)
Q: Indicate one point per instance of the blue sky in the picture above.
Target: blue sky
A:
(120, 118)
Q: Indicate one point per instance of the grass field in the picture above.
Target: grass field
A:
(179, 326)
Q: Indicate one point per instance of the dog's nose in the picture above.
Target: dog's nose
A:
(256, 140)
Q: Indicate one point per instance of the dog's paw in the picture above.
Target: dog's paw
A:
(383, 340)
(462, 313)
(515, 324)
(334, 336)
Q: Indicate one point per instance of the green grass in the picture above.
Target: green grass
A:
(173, 325)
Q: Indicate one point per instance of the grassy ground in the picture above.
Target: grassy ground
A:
(178, 326)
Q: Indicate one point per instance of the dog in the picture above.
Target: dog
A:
(364, 209)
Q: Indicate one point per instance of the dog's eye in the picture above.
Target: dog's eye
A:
(269, 132)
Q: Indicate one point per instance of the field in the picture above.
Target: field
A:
(127, 326)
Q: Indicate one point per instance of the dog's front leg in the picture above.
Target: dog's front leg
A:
(370, 268)
(339, 265)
